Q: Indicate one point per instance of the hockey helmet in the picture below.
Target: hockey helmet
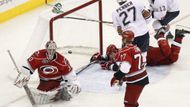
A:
(111, 52)
(120, 2)
(51, 49)
(111, 49)
(128, 36)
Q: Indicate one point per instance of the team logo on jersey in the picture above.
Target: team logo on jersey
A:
(48, 69)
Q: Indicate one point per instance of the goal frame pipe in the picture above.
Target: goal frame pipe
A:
(78, 8)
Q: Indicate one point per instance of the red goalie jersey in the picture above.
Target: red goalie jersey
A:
(55, 73)
(49, 70)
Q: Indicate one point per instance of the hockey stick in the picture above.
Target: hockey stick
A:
(91, 20)
(85, 67)
(26, 88)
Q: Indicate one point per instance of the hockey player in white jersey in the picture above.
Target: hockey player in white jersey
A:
(164, 11)
(133, 15)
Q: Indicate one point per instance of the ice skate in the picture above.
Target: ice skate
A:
(181, 32)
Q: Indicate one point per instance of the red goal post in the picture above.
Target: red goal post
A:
(51, 28)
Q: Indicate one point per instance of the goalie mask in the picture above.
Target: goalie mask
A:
(51, 49)
(120, 2)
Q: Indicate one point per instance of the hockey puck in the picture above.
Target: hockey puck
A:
(70, 52)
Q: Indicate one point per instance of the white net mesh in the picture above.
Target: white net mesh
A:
(77, 36)
(77, 39)
(76, 32)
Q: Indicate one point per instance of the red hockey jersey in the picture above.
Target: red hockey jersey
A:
(162, 55)
(132, 55)
(49, 70)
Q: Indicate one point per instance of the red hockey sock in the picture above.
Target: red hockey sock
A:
(161, 35)
(178, 39)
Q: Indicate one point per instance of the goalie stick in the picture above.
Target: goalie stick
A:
(85, 67)
(26, 88)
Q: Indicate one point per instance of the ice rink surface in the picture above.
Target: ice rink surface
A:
(169, 85)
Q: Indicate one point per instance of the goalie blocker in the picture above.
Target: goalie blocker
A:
(57, 79)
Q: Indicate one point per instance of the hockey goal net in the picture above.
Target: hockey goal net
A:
(77, 30)
(77, 39)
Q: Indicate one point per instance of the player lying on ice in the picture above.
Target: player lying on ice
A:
(57, 79)
(164, 54)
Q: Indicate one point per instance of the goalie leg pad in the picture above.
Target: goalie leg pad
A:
(65, 94)
(42, 97)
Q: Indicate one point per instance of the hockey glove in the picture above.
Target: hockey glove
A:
(23, 77)
(117, 78)
(105, 65)
(96, 56)
(114, 81)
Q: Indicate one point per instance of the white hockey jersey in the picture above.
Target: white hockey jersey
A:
(160, 7)
(129, 17)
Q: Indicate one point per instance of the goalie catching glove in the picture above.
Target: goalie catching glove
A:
(23, 77)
